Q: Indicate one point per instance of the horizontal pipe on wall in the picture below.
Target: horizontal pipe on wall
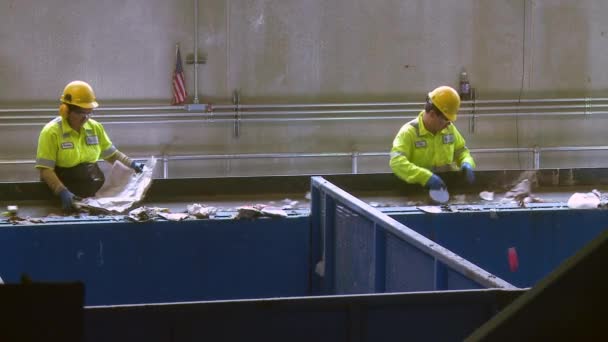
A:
(183, 116)
(218, 117)
(476, 103)
(55, 109)
(213, 118)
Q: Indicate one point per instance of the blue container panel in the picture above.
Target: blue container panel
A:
(408, 269)
(541, 239)
(456, 281)
(365, 258)
(354, 253)
(124, 263)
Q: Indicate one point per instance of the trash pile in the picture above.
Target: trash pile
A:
(521, 193)
(193, 211)
(259, 210)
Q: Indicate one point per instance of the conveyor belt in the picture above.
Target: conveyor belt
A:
(226, 205)
(383, 191)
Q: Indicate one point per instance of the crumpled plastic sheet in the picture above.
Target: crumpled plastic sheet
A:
(122, 189)
(200, 210)
(257, 210)
(589, 200)
(145, 214)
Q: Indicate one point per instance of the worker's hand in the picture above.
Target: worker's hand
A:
(435, 183)
(67, 200)
(137, 167)
(468, 172)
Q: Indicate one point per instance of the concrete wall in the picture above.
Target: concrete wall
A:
(305, 52)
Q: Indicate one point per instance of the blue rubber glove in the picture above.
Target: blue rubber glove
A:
(468, 172)
(435, 183)
(137, 167)
(67, 200)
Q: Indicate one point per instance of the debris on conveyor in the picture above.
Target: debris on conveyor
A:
(12, 210)
(431, 209)
(379, 205)
(289, 204)
(520, 191)
(273, 212)
(12, 216)
(522, 194)
(15, 219)
(258, 210)
(589, 200)
(121, 190)
(448, 208)
(486, 195)
(174, 216)
(247, 212)
(144, 214)
(200, 211)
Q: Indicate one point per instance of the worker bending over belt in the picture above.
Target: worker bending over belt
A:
(430, 143)
(70, 145)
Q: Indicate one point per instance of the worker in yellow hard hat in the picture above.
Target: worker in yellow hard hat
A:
(430, 143)
(70, 145)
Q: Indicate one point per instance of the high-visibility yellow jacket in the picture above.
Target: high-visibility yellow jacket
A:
(417, 153)
(59, 145)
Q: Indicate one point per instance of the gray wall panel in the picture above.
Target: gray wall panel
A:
(306, 52)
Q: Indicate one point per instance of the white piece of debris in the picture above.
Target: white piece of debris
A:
(589, 200)
(289, 204)
(200, 211)
(431, 209)
(486, 195)
(273, 212)
(174, 216)
(12, 209)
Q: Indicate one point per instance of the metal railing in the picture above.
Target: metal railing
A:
(239, 112)
(535, 153)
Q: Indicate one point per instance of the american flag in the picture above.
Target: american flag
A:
(179, 84)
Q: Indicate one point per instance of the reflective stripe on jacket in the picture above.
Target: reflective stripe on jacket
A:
(417, 153)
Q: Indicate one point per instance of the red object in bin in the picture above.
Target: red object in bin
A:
(513, 259)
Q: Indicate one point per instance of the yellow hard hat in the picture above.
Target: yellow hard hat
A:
(79, 93)
(447, 100)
